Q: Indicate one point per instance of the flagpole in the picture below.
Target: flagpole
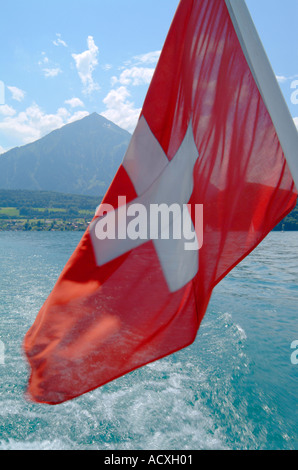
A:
(267, 83)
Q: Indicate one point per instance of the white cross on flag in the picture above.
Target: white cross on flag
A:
(214, 132)
(169, 183)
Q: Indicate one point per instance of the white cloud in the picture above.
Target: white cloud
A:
(296, 122)
(134, 73)
(283, 79)
(77, 115)
(2, 150)
(33, 123)
(148, 58)
(107, 67)
(17, 93)
(75, 103)
(86, 63)
(58, 41)
(134, 76)
(6, 110)
(119, 107)
(120, 110)
(49, 68)
(51, 72)
(44, 60)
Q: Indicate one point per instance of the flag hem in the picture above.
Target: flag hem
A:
(266, 81)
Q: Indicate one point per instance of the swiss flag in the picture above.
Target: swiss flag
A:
(206, 136)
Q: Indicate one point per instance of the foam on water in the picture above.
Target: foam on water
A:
(56, 444)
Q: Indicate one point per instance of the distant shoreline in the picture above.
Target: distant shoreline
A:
(23, 210)
(59, 225)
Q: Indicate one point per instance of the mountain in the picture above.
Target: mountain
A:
(79, 158)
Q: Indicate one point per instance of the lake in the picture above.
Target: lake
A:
(234, 388)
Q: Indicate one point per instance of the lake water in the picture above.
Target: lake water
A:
(234, 388)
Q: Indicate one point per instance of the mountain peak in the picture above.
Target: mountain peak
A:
(81, 157)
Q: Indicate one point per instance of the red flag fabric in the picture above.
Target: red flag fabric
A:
(204, 137)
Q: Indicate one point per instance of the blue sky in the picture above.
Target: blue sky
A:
(61, 60)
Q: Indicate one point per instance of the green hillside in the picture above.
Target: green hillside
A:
(45, 210)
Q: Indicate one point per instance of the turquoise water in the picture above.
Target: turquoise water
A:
(234, 388)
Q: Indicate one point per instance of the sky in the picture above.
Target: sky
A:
(61, 60)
